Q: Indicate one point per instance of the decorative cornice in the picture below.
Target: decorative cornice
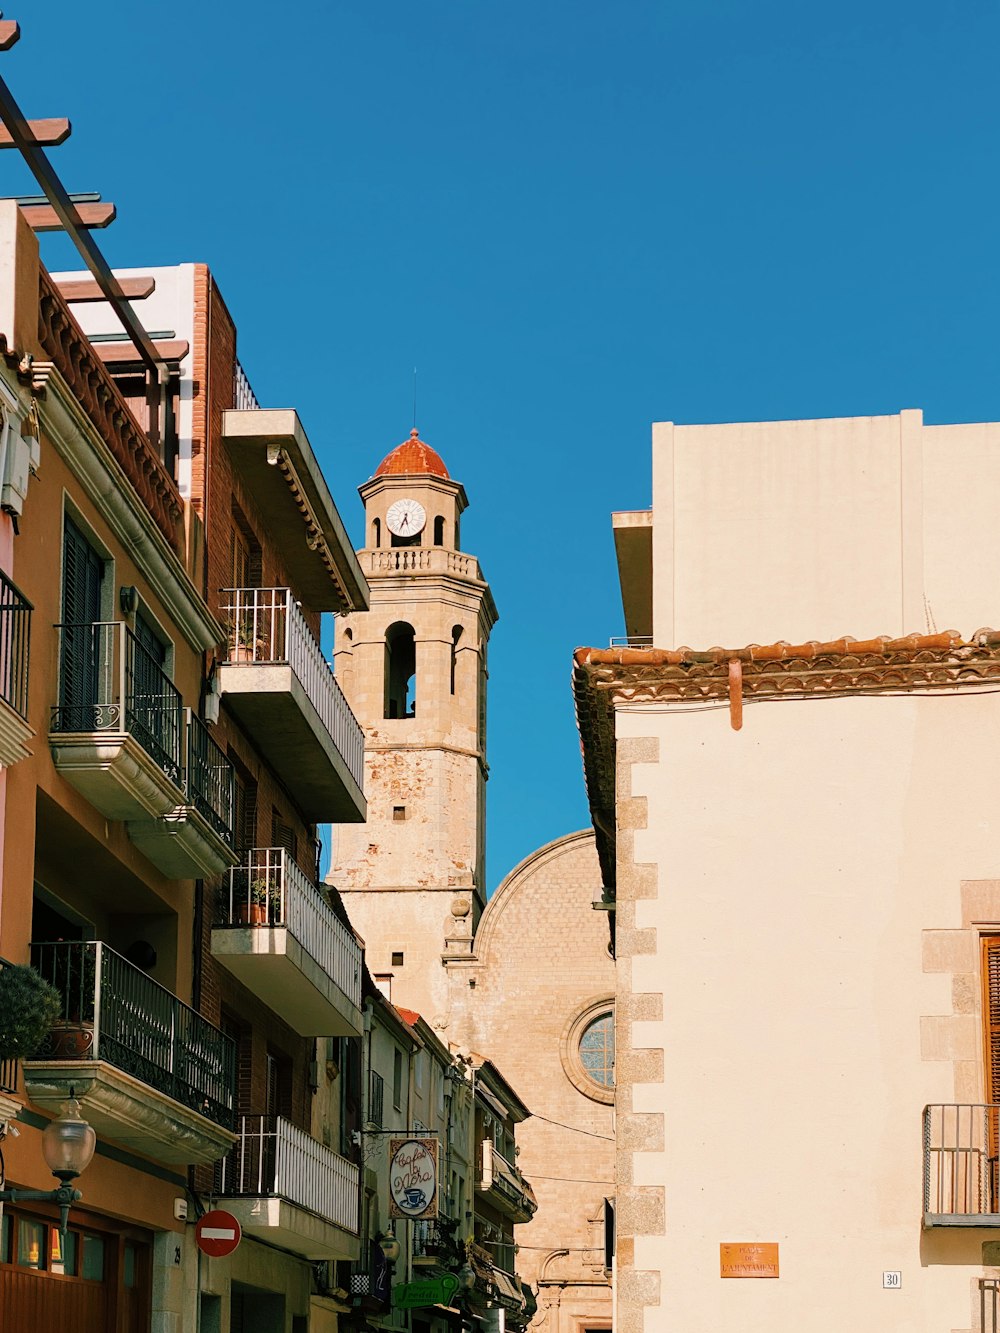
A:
(67, 345)
(108, 485)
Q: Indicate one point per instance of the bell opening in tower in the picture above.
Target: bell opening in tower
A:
(400, 671)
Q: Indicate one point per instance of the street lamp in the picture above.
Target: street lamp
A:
(68, 1144)
(389, 1246)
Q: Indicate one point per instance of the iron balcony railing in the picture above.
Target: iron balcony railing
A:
(961, 1143)
(8, 1068)
(267, 626)
(113, 1011)
(631, 641)
(272, 1157)
(15, 631)
(110, 682)
(210, 779)
(435, 1240)
(269, 889)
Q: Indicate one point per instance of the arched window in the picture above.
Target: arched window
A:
(456, 634)
(376, 533)
(400, 671)
(439, 531)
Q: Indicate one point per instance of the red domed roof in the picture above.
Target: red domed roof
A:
(412, 458)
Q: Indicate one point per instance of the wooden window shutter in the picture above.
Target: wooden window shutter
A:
(991, 1015)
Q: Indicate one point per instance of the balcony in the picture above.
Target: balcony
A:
(149, 1072)
(435, 1244)
(960, 1165)
(116, 731)
(286, 1188)
(121, 736)
(272, 456)
(280, 687)
(411, 560)
(195, 839)
(507, 1188)
(15, 627)
(281, 939)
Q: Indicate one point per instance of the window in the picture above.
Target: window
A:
(397, 1079)
(439, 531)
(456, 634)
(400, 671)
(587, 1049)
(399, 813)
(397, 958)
(376, 532)
(597, 1050)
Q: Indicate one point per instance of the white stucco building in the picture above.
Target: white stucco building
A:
(800, 828)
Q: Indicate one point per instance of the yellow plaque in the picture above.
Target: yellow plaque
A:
(748, 1259)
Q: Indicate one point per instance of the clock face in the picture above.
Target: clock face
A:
(406, 518)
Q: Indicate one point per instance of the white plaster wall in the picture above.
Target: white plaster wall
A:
(802, 530)
(799, 860)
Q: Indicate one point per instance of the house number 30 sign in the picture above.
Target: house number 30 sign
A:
(413, 1171)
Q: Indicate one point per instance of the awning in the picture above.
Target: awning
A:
(508, 1288)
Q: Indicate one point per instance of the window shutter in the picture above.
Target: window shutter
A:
(991, 1015)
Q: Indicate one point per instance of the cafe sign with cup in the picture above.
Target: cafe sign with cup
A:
(413, 1178)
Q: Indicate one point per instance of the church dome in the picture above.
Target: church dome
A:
(412, 458)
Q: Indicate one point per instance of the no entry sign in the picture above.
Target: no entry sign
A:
(217, 1234)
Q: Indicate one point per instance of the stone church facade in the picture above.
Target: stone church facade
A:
(525, 979)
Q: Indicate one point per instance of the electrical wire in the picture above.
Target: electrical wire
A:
(608, 1138)
(570, 1180)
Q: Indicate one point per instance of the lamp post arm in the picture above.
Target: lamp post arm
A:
(65, 1196)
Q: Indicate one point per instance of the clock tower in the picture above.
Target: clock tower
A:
(413, 668)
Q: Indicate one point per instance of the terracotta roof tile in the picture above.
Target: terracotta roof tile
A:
(782, 651)
(407, 1015)
(413, 458)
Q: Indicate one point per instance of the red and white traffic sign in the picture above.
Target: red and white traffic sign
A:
(217, 1234)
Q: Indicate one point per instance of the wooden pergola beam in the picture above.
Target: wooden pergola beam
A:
(117, 353)
(43, 217)
(48, 133)
(86, 289)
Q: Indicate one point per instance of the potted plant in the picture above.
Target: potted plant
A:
(259, 899)
(244, 645)
(29, 1008)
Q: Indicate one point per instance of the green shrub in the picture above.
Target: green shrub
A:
(28, 1008)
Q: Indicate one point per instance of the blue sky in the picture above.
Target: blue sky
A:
(574, 219)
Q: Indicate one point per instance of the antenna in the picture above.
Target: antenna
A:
(414, 398)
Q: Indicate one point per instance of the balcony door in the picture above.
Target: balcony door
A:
(83, 575)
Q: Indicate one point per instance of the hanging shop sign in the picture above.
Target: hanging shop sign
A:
(431, 1291)
(413, 1178)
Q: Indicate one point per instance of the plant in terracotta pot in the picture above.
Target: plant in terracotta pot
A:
(259, 897)
(29, 1008)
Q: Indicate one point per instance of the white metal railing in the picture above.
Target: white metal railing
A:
(273, 1157)
(413, 559)
(265, 626)
(270, 889)
(244, 398)
(631, 641)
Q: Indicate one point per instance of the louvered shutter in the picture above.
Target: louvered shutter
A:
(991, 1015)
(83, 571)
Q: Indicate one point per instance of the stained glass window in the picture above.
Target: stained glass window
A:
(597, 1050)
